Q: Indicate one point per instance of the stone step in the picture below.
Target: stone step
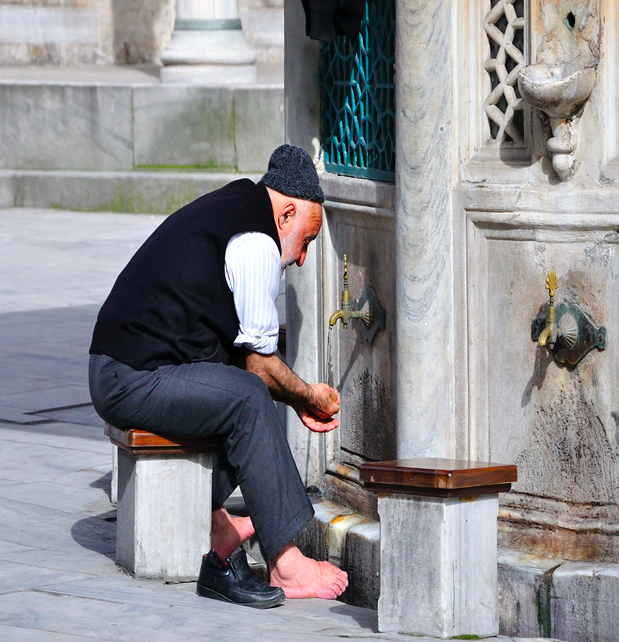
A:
(136, 192)
(120, 119)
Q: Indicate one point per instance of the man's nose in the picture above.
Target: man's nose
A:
(301, 259)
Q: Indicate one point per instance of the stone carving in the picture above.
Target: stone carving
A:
(504, 25)
(562, 80)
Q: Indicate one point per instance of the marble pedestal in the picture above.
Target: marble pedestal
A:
(438, 559)
(438, 544)
(164, 514)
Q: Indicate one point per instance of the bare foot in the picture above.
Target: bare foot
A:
(228, 533)
(301, 576)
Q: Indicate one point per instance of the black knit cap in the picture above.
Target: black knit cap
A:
(291, 172)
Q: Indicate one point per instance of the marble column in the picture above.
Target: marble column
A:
(208, 45)
(424, 228)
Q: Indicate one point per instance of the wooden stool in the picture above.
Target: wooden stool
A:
(438, 544)
(164, 503)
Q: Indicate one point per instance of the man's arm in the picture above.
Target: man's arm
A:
(314, 403)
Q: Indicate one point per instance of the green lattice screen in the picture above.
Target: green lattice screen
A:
(359, 97)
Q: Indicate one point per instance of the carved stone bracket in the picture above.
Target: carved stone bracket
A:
(561, 94)
(561, 81)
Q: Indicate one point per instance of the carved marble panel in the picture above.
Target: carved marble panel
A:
(363, 372)
(559, 424)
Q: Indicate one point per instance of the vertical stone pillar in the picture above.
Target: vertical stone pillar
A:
(424, 228)
(208, 45)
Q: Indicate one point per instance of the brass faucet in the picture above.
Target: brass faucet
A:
(366, 308)
(552, 331)
(345, 314)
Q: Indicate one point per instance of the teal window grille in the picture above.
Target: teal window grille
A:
(359, 97)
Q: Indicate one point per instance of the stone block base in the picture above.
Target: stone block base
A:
(438, 565)
(164, 515)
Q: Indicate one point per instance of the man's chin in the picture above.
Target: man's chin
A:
(286, 264)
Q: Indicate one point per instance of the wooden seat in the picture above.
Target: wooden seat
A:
(143, 443)
(438, 548)
(435, 477)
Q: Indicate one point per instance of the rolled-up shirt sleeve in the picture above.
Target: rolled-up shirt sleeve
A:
(253, 270)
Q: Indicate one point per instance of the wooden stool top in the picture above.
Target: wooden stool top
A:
(141, 442)
(438, 477)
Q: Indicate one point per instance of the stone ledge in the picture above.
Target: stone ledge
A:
(550, 597)
(110, 126)
(134, 192)
(349, 541)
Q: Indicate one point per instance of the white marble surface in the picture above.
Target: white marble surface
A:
(184, 126)
(423, 270)
(164, 515)
(65, 127)
(41, 25)
(585, 601)
(525, 583)
(438, 566)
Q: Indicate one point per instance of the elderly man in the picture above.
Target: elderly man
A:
(196, 301)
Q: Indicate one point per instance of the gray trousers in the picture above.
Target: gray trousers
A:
(212, 399)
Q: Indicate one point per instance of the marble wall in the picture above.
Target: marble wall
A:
(479, 217)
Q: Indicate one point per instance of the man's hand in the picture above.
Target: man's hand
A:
(325, 404)
(314, 422)
(325, 401)
(314, 403)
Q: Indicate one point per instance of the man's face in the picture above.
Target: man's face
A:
(304, 229)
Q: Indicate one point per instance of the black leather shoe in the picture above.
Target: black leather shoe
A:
(233, 581)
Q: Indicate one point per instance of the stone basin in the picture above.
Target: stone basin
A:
(558, 90)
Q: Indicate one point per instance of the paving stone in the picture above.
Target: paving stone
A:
(8, 548)
(47, 398)
(19, 634)
(37, 462)
(58, 497)
(75, 436)
(38, 527)
(90, 563)
(19, 577)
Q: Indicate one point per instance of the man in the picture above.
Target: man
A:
(197, 298)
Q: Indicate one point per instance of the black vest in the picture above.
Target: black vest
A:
(171, 304)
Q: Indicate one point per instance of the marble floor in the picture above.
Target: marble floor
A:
(58, 580)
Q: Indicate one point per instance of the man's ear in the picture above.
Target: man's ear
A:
(286, 214)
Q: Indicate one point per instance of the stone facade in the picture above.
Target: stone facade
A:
(458, 251)
(104, 32)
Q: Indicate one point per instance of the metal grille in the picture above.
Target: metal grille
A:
(359, 97)
(504, 26)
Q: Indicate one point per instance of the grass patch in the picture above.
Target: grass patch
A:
(466, 637)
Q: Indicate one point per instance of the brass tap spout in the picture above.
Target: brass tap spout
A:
(344, 314)
(551, 332)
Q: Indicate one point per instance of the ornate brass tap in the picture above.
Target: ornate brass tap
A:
(552, 331)
(566, 331)
(367, 308)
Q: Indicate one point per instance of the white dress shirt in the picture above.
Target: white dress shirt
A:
(252, 266)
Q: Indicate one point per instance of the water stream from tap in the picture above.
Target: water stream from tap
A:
(328, 373)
